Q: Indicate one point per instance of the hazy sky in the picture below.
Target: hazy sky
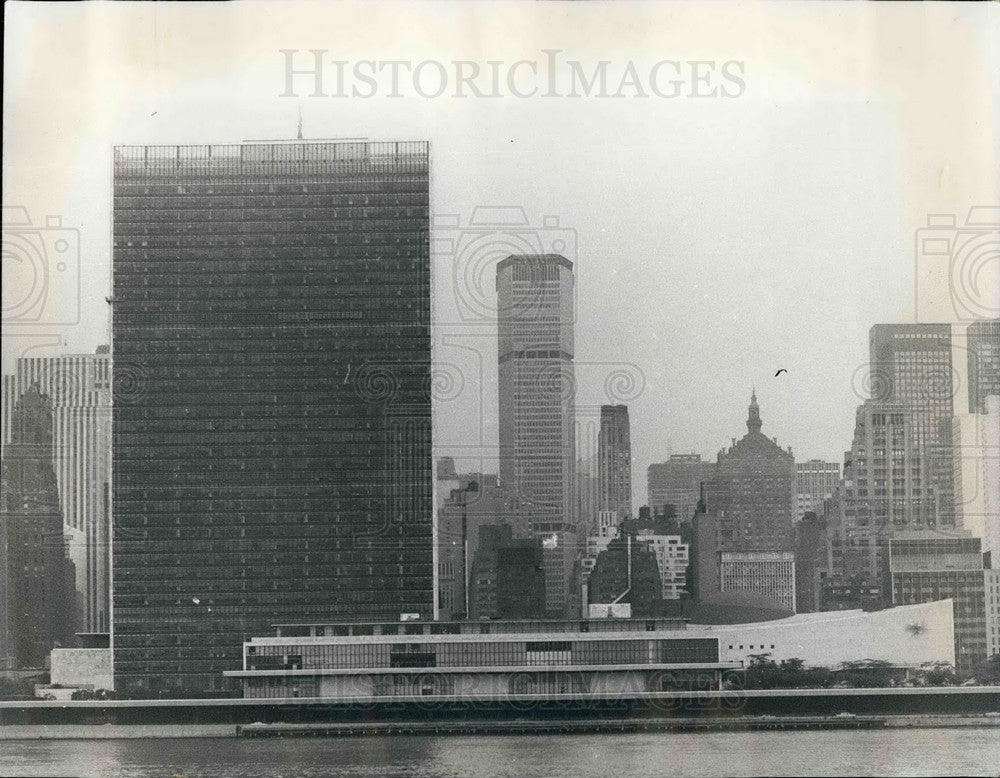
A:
(715, 239)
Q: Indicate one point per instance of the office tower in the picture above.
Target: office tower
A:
(614, 456)
(678, 482)
(272, 459)
(536, 409)
(983, 362)
(911, 365)
(976, 448)
(78, 386)
(38, 609)
(815, 481)
(473, 500)
(931, 565)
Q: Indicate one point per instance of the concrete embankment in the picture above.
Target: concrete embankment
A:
(511, 727)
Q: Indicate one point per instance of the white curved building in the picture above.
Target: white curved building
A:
(906, 636)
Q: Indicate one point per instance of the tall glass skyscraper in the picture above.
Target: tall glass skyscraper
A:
(272, 438)
(911, 365)
(537, 388)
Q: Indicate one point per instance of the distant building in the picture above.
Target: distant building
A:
(749, 508)
(627, 572)
(767, 573)
(586, 494)
(928, 566)
(810, 562)
(537, 384)
(78, 386)
(976, 446)
(473, 500)
(751, 492)
(521, 580)
(614, 458)
(671, 559)
(815, 481)
(677, 482)
(537, 429)
(983, 362)
(38, 605)
(508, 576)
(911, 366)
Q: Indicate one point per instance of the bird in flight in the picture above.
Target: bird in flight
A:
(780, 372)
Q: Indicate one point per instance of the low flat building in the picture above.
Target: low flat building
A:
(482, 661)
(582, 659)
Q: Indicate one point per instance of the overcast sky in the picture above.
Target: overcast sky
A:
(715, 239)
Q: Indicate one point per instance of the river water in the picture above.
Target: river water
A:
(934, 752)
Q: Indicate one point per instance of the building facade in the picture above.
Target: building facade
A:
(594, 659)
(672, 557)
(38, 601)
(614, 458)
(78, 386)
(272, 440)
(752, 492)
(482, 662)
(677, 482)
(473, 501)
(911, 366)
(767, 573)
(537, 430)
(983, 362)
(928, 566)
(815, 481)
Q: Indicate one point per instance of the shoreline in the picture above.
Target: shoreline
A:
(514, 727)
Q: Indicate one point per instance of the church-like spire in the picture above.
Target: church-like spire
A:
(300, 123)
(753, 421)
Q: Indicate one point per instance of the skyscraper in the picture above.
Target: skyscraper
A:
(614, 455)
(537, 384)
(911, 365)
(815, 481)
(750, 498)
(272, 441)
(78, 387)
(38, 608)
(983, 362)
(536, 410)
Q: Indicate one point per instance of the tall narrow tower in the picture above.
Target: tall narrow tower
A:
(614, 456)
(537, 387)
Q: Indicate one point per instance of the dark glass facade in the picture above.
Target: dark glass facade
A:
(272, 439)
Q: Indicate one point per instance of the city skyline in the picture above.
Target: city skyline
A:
(679, 272)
